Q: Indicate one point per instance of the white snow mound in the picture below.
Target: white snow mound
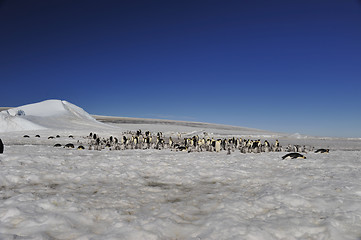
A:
(49, 108)
(47, 114)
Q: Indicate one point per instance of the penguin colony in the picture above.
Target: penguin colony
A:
(148, 140)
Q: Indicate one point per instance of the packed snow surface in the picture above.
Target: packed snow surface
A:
(59, 193)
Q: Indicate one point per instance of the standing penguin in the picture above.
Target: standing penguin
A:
(218, 145)
(1, 146)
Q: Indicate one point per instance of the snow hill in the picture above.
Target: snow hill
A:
(58, 114)
(54, 114)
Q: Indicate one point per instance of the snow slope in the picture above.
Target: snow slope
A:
(53, 114)
(10, 123)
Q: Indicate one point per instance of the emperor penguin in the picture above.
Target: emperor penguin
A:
(69, 145)
(322, 150)
(218, 145)
(229, 151)
(170, 142)
(267, 146)
(1, 146)
(293, 156)
(276, 146)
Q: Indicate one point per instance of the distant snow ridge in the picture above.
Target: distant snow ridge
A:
(47, 114)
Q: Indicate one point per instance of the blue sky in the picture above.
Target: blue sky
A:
(286, 66)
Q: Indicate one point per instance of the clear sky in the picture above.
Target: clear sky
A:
(281, 65)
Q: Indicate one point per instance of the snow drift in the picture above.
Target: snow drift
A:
(55, 114)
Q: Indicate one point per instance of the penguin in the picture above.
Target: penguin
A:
(50, 137)
(1, 146)
(81, 147)
(218, 145)
(69, 145)
(57, 145)
(277, 147)
(71, 136)
(26, 136)
(293, 156)
(37, 136)
(170, 142)
(176, 146)
(267, 146)
(182, 148)
(229, 151)
(322, 150)
(256, 144)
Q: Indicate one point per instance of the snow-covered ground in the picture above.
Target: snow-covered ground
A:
(59, 193)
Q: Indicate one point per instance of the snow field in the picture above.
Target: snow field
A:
(58, 193)
(49, 193)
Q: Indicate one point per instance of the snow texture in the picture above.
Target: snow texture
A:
(59, 193)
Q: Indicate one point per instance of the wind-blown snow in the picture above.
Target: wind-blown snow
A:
(58, 193)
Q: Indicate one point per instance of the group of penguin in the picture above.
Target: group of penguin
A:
(296, 155)
(139, 140)
(146, 140)
(69, 145)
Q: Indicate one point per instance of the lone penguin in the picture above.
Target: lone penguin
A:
(322, 150)
(1, 146)
(293, 156)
